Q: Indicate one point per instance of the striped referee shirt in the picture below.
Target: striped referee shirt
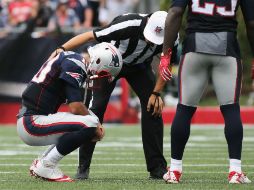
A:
(126, 33)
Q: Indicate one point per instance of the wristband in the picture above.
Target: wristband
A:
(156, 93)
(61, 47)
(168, 54)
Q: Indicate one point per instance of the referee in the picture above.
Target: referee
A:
(138, 37)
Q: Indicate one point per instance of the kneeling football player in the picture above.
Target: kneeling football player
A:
(60, 80)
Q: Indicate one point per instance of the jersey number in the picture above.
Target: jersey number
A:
(44, 70)
(210, 8)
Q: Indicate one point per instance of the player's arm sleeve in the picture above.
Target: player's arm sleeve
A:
(73, 94)
(73, 78)
(71, 74)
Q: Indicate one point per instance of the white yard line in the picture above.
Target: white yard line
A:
(129, 145)
(113, 158)
(193, 126)
(126, 142)
(125, 153)
(129, 165)
(127, 172)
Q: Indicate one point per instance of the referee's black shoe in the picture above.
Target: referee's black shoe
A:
(157, 173)
(82, 173)
(85, 158)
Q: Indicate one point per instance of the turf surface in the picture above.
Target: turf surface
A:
(118, 162)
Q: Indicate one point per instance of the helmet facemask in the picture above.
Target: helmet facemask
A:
(94, 79)
(105, 62)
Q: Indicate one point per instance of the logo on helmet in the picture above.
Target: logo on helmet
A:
(115, 61)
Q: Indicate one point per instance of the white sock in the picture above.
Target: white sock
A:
(176, 165)
(47, 150)
(53, 156)
(235, 165)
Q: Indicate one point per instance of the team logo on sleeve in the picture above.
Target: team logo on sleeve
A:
(78, 77)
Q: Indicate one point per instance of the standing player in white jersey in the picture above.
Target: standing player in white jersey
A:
(58, 81)
(210, 49)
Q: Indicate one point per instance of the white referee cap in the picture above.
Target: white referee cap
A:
(154, 29)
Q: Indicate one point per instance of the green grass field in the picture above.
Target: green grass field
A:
(118, 162)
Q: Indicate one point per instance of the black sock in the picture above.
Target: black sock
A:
(70, 141)
(233, 129)
(85, 154)
(180, 130)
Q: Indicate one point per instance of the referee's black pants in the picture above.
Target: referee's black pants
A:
(142, 81)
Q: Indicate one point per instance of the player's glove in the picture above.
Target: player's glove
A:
(164, 69)
(252, 69)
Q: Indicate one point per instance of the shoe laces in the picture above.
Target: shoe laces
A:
(58, 171)
(237, 174)
(176, 174)
(48, 164)
(55, 170)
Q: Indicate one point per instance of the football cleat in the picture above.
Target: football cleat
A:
(31, 169)
(46, 170)
(235, 177)
(82, 173)
(172, 176)
(158, 173)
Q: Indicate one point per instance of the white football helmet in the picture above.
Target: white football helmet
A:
(105, 61)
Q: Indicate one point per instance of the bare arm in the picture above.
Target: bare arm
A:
(79, 40)
(172, 26)
(160, 83)
(155, 101)
(78, 108)
(74, 43)
(250, 34)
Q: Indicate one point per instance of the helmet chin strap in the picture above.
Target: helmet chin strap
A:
(102, 74)
(92, 78)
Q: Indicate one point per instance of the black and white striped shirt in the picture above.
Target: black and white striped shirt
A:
(126, 33)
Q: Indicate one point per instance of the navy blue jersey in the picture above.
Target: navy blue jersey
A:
(58, 81)
(211, 25)
(214, 15)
